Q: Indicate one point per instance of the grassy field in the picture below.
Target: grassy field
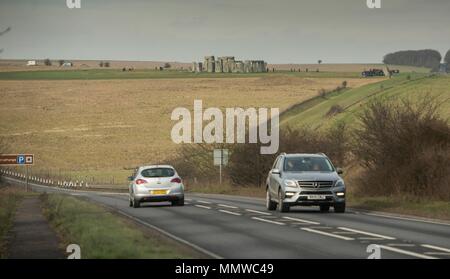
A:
(313, 113)
(9, 200)
(82, 129)
(103, 235)
(101, 74)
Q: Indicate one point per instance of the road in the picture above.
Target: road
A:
(239, 227)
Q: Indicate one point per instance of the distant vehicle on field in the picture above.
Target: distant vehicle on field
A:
(373, 73)
(31, 63)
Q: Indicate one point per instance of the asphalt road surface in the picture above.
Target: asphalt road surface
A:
(238, 227)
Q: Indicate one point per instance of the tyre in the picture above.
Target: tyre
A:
(282, 206)
(179, 202)
(271, 205)
(339, 207)
(130, 202)
(324, 208)
(136, 203)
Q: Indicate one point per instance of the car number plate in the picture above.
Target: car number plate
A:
(158, 192)
(316, 197)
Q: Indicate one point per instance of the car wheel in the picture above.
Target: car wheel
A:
(339, 207)
(282, 206)
(271, 205)
(136, 203)
(324, 208)
(130, 202)
(179, 202)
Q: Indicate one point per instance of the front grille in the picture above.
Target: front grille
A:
(315, 184)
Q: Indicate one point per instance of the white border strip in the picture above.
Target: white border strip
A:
(328, 234)
(367, 233)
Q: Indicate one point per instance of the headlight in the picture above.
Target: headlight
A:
(339, 183)
(290, 183)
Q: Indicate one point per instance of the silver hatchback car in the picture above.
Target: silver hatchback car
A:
(305, 179)
(156, 183)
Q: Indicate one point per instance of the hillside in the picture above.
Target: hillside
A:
(314, 112)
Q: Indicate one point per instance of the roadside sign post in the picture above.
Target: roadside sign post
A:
(220, 159)
(26, 160)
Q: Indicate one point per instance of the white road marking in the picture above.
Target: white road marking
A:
(328, 234)
(230, 212)
(407, 218)
(338, 232)
(205, 202)
(202, 206)
(367, 233)
(409, 253)
(268, 221)
(401, 245)
(188, 199)
(227, 206)
(256, 211)
(436, 248)
(301, 220)
(437, 253)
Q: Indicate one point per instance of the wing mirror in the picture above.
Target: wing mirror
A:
(276, 171)
(339, 171)
(130, 178)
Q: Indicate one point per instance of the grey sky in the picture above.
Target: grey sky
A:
(278, 31)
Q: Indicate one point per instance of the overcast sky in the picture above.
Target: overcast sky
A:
(281, 31)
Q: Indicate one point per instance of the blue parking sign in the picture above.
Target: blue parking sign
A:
(21, 159)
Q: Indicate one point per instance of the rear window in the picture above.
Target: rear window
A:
(158, 172)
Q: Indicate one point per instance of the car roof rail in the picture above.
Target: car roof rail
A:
(282, 153)
(321, 153)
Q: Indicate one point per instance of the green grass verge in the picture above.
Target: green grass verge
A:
(313, 112)
(103, 235)
(9, 200)
(100, 74)
(424, 208)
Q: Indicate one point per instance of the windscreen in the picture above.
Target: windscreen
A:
(158, 172)
(307, 164)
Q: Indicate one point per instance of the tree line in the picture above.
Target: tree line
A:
(427, 58)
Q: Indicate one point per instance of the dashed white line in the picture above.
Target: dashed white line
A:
(268, 221)
(256, 211)
(401, 245)
(205, 202)
(366, 233)
(302, 220)
(437, 253)
(202, 206)
(230, 212)
(436, 248)
(409, 253)
(227, 206)
(327, 234)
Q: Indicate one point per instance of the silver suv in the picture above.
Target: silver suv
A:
(156, 183)
(305, 179)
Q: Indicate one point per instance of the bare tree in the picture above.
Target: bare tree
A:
(319, 62)
(2, 33)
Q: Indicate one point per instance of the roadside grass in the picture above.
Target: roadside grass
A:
(313, 113)
(100, 74)
(401, 205)
(9, 200)
(103, 235)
